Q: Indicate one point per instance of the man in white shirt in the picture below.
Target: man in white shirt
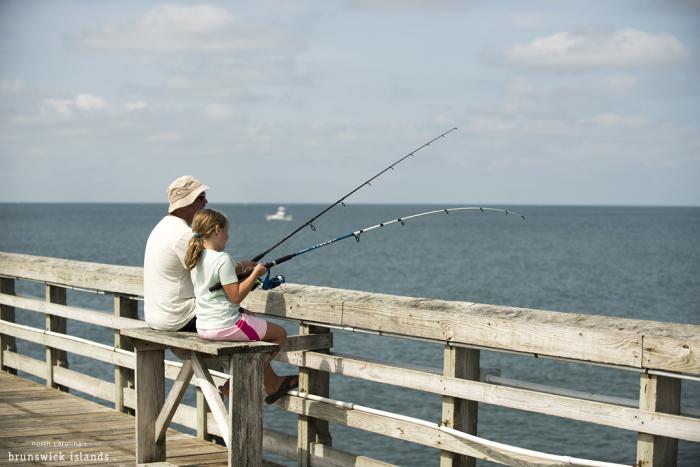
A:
(167, 287)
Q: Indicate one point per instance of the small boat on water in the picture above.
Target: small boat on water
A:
(280, 215)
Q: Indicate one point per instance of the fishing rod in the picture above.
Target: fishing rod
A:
(309, 223)
(270, 283)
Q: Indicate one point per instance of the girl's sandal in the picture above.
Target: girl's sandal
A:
(288, 383)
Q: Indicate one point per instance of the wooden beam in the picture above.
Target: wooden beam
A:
(109, 278)
(212, 395)
(75, 313)
(124, 307)
(687, 428)
(310, 430)
(7, 313)
(55, 294)
(457, 413)
(588, 338)
(150, 394)
(245, 423)
(190, 341)
(202, 415)
(173, 400)
(658, 394)
(425, 433)
(72, 344)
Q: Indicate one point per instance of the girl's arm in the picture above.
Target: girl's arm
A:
(238, 291)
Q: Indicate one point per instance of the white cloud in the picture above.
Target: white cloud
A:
(175, 29)
(620, 121)
(164, 137)
(64, 107)
(89, 102)
(490, 125)
(137, 105)
(528, 19)
(218, 112)
(622, 48)
(54, 107)
(11, 87)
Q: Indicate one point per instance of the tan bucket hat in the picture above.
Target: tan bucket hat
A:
(183, 191)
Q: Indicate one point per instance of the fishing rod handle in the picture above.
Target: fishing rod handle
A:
(279, 260)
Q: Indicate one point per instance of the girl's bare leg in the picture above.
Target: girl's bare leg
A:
(277, 335)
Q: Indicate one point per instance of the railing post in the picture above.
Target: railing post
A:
(124, 307)
(459, 414)
(658, 394)
(7, 313)
(57, 295)
(312, 430)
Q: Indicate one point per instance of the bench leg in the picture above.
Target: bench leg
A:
(245, 409)
(150, 395)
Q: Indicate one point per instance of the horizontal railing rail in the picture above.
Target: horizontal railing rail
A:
(463, 329)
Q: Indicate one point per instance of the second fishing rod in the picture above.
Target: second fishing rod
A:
(270, 282)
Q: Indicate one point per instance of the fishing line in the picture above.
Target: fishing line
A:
(272, 282)
(309, 223)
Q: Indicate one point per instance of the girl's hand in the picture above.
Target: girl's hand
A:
(259, 270)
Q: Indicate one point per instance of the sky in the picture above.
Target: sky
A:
(555, 102)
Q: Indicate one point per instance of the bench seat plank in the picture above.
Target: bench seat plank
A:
(190, 341)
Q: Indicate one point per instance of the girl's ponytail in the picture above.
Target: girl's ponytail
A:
(194, 250)
(203, 225)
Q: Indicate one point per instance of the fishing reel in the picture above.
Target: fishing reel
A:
(269, 283)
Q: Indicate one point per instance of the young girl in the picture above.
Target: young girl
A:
(219, 315)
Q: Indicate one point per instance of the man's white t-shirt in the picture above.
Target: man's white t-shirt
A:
(167, 288)
(214, 309)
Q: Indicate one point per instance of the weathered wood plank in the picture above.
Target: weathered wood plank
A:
(212, 396)
(300, 302)
(109, 278)
(658, 394)
(110, 433)
(54, 357)
(7, 313)
(150, 394)
(458, 413)
(679, 352)
(322, 455)
(321, 340)
(592, 338)
(71, 312)
(202, 415)
(124, 308)
(310, 430)
(70, 344)
(177, 391)
(245, 422)
(190, 341)
(421, 433)
(626, 418)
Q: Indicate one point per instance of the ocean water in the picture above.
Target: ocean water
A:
(627, 262)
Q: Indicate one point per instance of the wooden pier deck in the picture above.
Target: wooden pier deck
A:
(37, 421)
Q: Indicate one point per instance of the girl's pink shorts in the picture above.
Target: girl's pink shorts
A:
(247, 328)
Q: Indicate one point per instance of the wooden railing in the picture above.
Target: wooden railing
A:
(664, 354)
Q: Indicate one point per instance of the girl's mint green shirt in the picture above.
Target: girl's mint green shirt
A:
(214, 309)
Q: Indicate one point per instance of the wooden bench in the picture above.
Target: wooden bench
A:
(241, 426)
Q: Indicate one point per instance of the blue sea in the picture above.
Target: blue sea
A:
(627, 262)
